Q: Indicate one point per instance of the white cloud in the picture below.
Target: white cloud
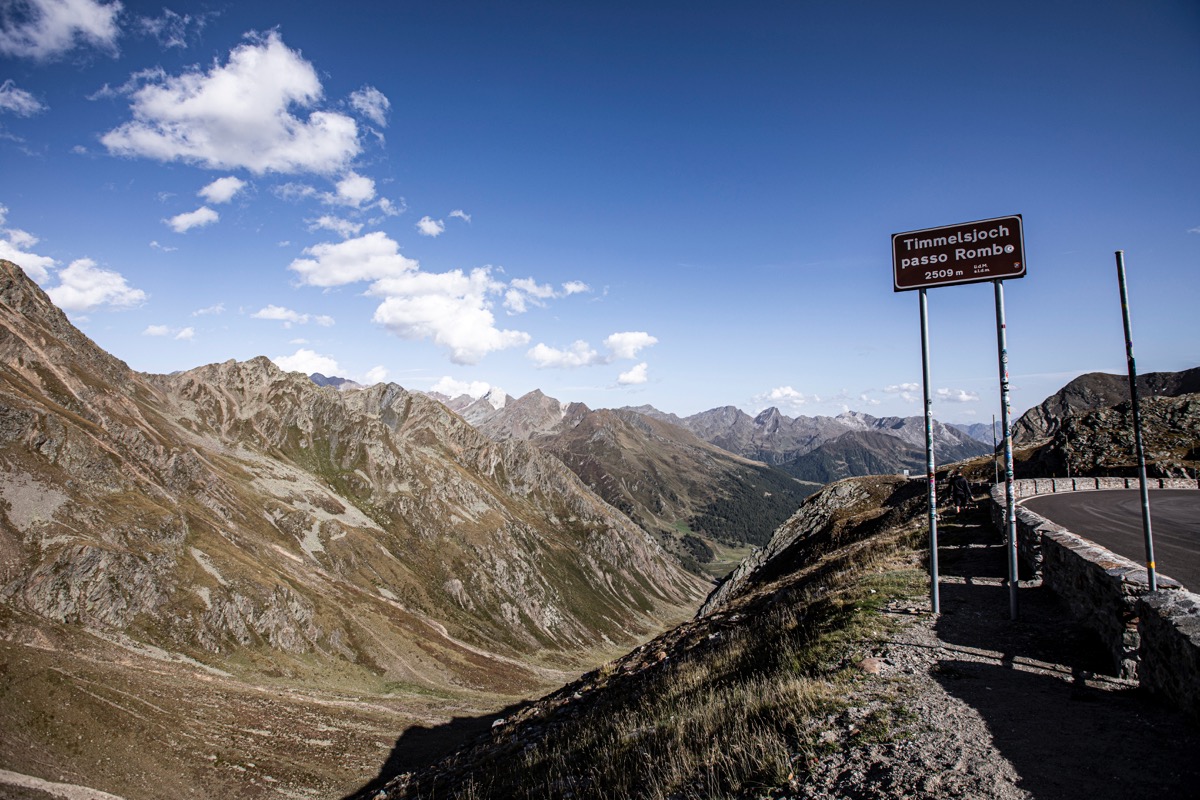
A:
(219, 308)
(164, 248)
(366, 258)
(353, 190)
(372, 104)
(376, 374)
(786, 398)
(239, 114)
(427, 226)
(182, 223)
(625, 345)
(575, 287)
(634, 376)
(342, 227)
(14, 247)
(957, 396)
(183, 334)
(84, 286)
(308, 362)
(524, 290)
(460, 214)
(289, 317)
(44, 29)
(901, 388)
(19, 101)
(629, 344)
(579, 354)
(1194, 230)
(222, 190)
(451, 309)
(456, 388)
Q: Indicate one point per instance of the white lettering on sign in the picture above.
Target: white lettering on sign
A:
(962, 237)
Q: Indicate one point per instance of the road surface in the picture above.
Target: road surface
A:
(1113, 518)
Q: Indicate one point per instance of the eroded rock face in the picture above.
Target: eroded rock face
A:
(1097, 390)
(236, 505)
(1100, 442)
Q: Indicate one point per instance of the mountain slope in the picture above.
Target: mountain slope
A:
(696, 498)
(1097, 390)
(240, 521)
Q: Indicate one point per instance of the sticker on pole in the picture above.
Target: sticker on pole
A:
(985, 250)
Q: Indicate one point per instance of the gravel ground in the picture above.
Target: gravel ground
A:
(996, 708)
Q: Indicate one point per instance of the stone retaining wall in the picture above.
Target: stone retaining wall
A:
(1153, 637)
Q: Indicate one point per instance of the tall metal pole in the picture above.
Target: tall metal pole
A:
(934, 602)
(1137, 425)
(1005, 414)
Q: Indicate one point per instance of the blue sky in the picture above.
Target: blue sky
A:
(683, 204)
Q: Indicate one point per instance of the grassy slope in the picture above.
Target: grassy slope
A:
(732, 703)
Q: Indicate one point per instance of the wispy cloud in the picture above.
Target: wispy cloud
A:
(46, 29)
(956, 396)
(289, 317)
(18, 101)
(372, 104)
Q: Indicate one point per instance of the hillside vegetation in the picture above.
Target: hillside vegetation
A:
(738, 700)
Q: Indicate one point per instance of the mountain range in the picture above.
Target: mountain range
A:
(249, 524)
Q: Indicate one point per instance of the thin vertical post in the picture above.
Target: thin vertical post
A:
(995, 447)
(1005, 426)
(934, 601)
(1137, 425)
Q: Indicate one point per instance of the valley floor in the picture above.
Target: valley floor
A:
(84, 718)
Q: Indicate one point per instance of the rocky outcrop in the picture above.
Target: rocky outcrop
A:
(1100, 442)
(1097, 390)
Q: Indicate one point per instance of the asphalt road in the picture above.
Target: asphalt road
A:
(1113, 518)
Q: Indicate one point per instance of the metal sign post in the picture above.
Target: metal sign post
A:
(1151, 576)
(970, 252)
(1010, 502)
(935, 604)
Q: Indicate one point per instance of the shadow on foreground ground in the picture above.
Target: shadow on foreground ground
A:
(1039, 683)
(420, 747)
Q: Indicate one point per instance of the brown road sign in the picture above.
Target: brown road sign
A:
(985, 250)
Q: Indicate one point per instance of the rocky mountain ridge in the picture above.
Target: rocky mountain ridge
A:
(698, 500)
(1096, 390)
(236, 508)
(822, 449)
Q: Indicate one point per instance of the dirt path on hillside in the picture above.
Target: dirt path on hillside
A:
(995, 708)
